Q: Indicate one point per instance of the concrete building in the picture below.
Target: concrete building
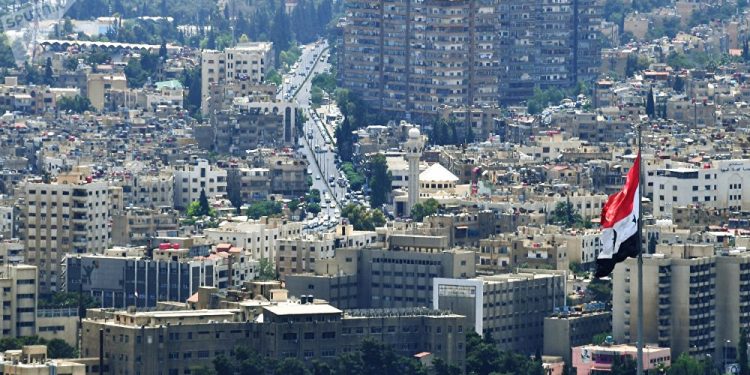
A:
(288, 175)
(595, 359)
(415, 58)
(546, 44)
(69, 215)
(61, 323)
(175, 341)
(259, 238)
(121, 280)
(149, 190)
(509, 307)
(251, 124)
(99, 85)
(248, 62)
(718, 185)
(138, 226)
(376, 278)
(245, 185)
(697, 303)
(19, 298)
(192, 179)
(565, 330)
(32, 360)
(11, 252)
(299, 254)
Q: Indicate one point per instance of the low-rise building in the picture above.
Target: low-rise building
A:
(568, 328)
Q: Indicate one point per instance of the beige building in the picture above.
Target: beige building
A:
(32, 360)
(99, 84)
(59, 323)
(509, 307)
(565, 330)
(68, 215)
(693, 300)
(192, 179)
(175, 341)
(259, 238)
(19, 298)
(137, 226)
(247, 61)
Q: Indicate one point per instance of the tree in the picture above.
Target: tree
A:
(320, 368)
(566, 215)
(687, 365)
(380, 181)
(623, 365)
(280, 32)
(264, 208)
(344, 142)
(202, 370)
(444, 368)
(650, 111)
(291, 366)
(362, 219)
(163, 50)
(742, 355)
(422, 210)
(48, 74)
(267, 271)
(599, 290)
(679, 84)
(77, 104)
(223, 365)
(204, 207)
(599, 338)
(58, 348)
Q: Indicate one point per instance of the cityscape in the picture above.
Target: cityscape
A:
(375, 187)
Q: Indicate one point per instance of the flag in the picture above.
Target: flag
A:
(620, 236)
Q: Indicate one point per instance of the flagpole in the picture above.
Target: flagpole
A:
(639, 344)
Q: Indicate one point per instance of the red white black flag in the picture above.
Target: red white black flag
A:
(620, 236)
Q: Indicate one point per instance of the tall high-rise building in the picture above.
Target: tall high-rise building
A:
(696, 301)
(413, 57)
(546, 44)
(69, 215)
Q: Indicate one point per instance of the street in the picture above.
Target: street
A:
(317, 147)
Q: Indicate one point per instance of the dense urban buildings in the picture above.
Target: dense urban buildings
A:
(415, 58)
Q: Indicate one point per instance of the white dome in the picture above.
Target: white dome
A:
(414, 133)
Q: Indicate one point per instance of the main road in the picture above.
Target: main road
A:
(318, 144)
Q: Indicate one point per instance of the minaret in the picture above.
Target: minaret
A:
(414, 147)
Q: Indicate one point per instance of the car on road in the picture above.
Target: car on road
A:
(332, 205)
(317, 177)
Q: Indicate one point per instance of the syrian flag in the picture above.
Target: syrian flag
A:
(620, 236)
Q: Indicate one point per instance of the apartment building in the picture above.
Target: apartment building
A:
(19, 298)
(568, 328)
(258, 237)
(245, 185)
(684, 304)
(148, 190)
(176, 341)
(68, 215)
(138, 226)
(192, 179)
(11, 251)
(98, 85)
(416, 58)
(526, 248)
(299, 254)
(546, 44)
(288, 175)
(248, 62)
(249, 124)
(509, 307)
(377, 278)
(121, 279)
(719, 185)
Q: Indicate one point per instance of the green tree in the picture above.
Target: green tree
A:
(274, 77)
(193, 210)
(442, 367)
(223, 365)
(599, 338)
(355, 178)
(264, 208)
(599, 290)
(318, 367)
(424, 209)
(280, 33)
(291, 366)
(58, 348)
(650, 107)
(48, 74)
(687, 365)
(202, 370)
(313, 208)
(77, 104)
(362, 219)
(745, 51)
(380, 181)
(267, 271)
(742, 355)
(623, 365)
(566, 215)
(163, 50)
(204, 207)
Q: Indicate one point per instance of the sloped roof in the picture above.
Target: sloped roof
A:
(437, 172)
